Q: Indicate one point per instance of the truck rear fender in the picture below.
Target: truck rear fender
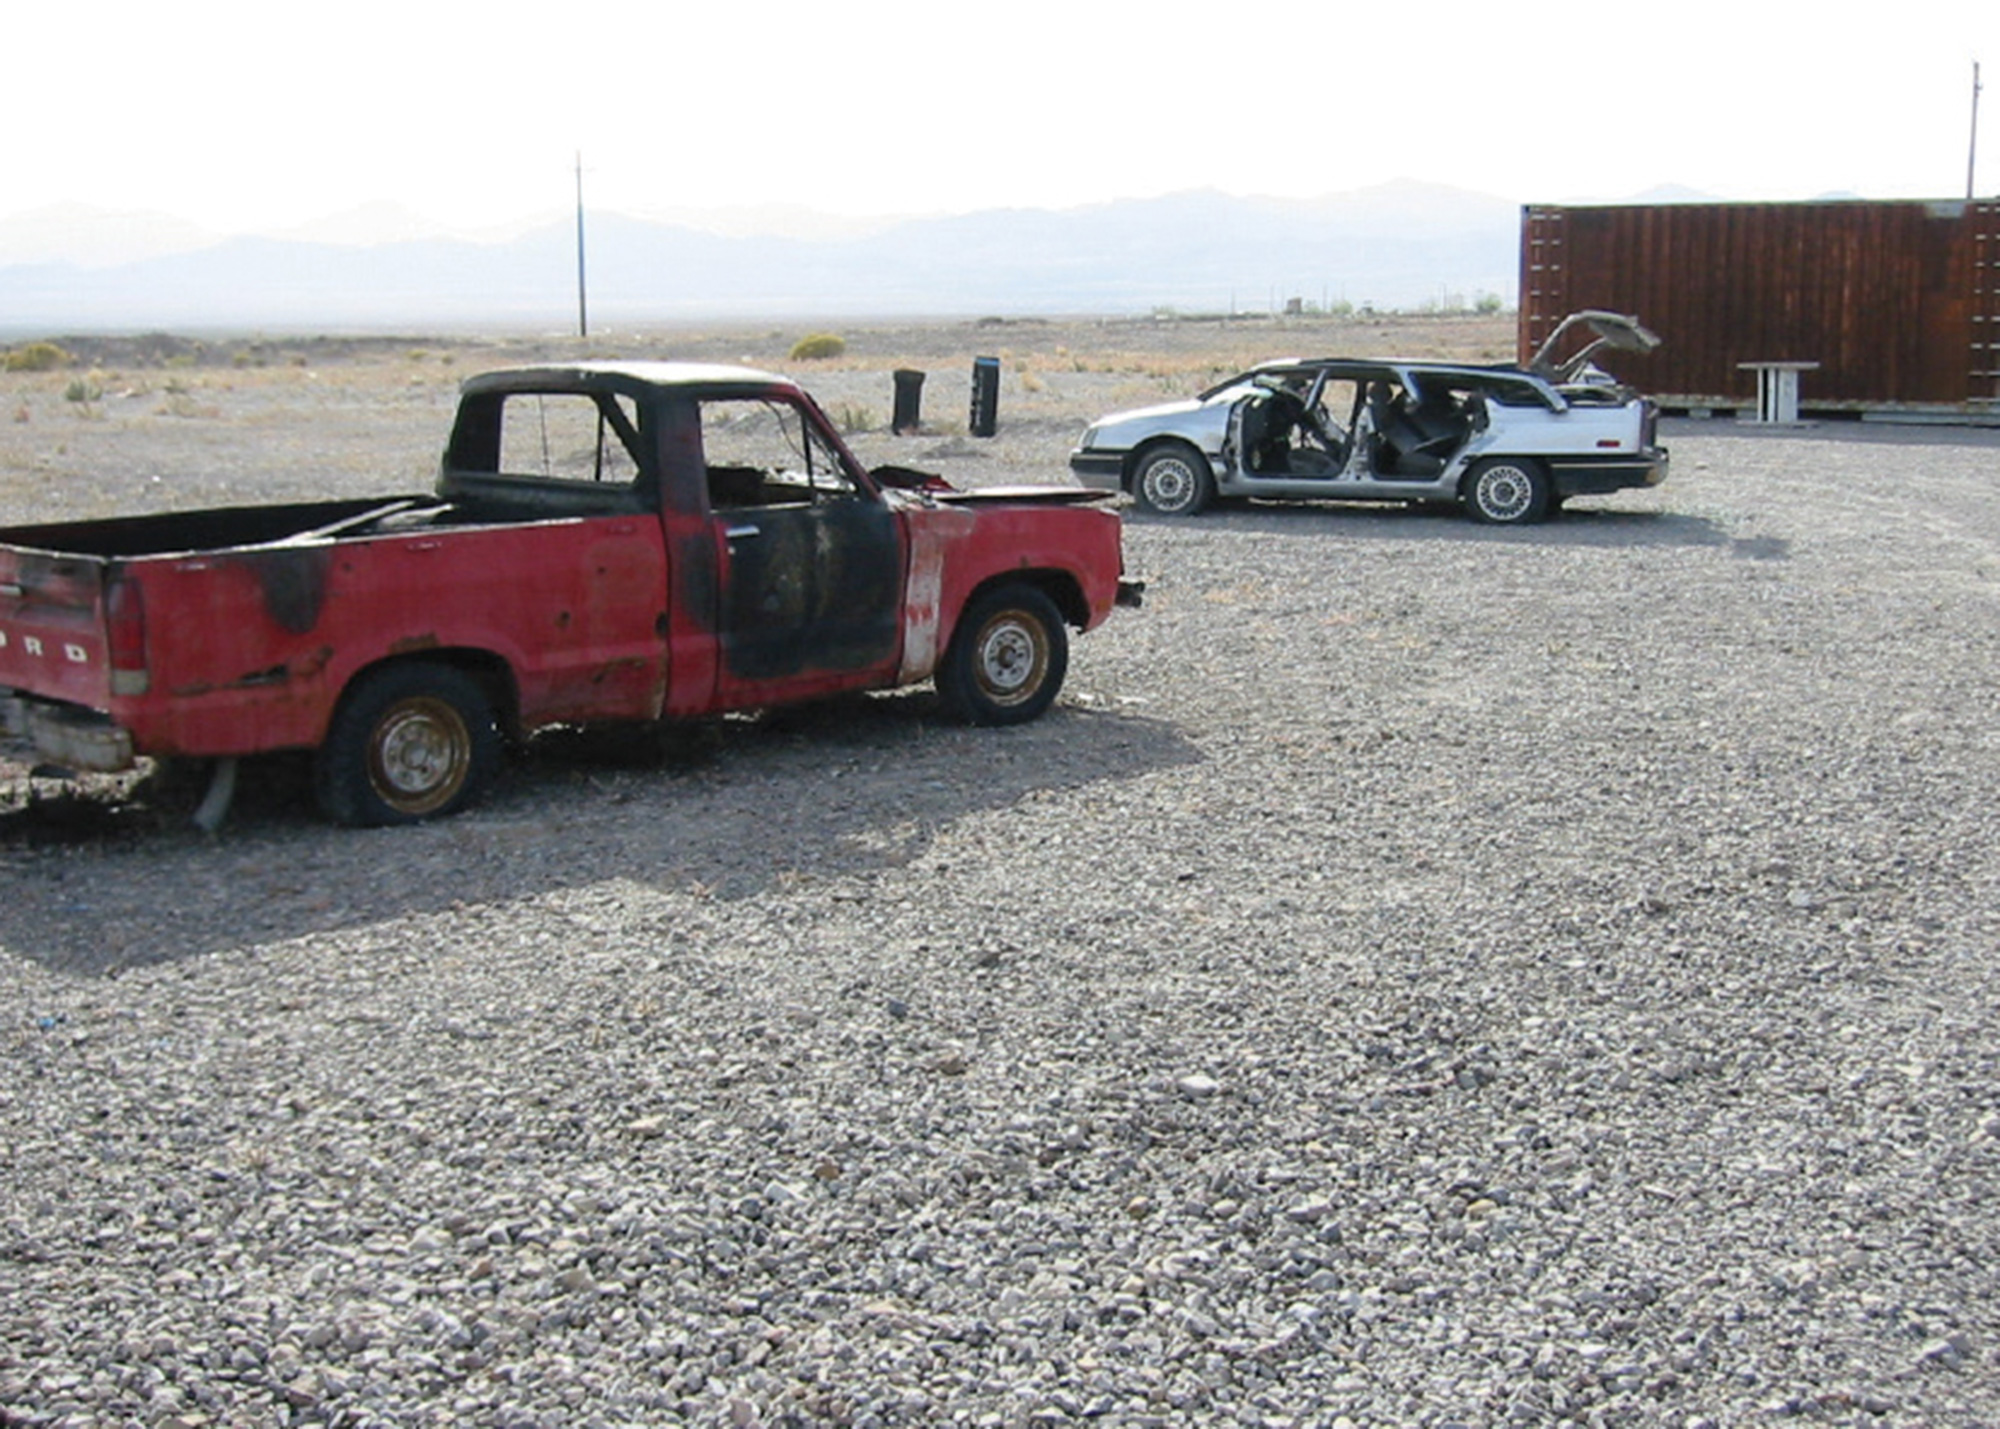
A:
(492, 672)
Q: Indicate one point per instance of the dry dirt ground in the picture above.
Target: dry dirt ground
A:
(1417, 974)
(162, 421)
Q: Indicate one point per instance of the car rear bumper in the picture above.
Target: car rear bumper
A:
(1100, 471)
(1594, 476)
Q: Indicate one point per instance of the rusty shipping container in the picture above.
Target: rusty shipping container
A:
(1897, 302)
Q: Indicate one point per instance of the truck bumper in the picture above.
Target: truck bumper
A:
(68, 735)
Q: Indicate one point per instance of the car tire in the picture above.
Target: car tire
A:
(1173, 480)
(409, 742)
(1506, 491)
(1007, 657)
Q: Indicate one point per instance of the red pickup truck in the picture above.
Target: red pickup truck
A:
(607, 542)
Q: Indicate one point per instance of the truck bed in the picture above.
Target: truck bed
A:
(220, 528)
(253, 618)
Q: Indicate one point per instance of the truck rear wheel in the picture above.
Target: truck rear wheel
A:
(409, 742)
(1007, 658)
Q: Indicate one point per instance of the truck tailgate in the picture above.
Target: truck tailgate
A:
(52, 626)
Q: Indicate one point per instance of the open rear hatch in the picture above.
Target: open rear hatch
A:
(1601, 331)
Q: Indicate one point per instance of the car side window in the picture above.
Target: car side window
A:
(1340, 400)
(569, 436)
(762, 451)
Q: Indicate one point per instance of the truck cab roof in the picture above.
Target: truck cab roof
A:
(704, 375)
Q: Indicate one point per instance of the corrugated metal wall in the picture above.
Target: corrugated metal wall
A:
(1899, 302)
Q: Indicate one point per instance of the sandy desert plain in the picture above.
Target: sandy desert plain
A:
(1418, 974)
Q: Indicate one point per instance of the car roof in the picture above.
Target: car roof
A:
(1421, 371)
(1394, 364)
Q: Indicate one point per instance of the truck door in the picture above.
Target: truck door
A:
(580, 597)
(811, 568)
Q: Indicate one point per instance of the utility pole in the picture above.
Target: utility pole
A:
(1972, 149)
(582, 309)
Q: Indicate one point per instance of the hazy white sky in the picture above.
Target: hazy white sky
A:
(260, 116)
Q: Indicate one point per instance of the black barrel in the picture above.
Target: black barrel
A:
(909, 401)
(985, 395)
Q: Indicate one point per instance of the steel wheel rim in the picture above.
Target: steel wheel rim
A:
(1011, 660)
(1169, 484)
(420, 756)
(1504, 492)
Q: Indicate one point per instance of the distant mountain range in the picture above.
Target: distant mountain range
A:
(1398, 245)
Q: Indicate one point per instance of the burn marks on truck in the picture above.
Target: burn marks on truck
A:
(293, 582)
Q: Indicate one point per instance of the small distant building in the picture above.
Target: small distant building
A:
(1891, 308)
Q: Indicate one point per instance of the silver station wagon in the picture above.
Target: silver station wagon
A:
(1509, 443)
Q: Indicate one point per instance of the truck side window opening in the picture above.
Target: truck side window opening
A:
(763, 452)
(569, 436)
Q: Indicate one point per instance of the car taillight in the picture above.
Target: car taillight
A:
(125, 621)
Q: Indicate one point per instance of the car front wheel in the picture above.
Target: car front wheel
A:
(1506, 491)
(1173, 481)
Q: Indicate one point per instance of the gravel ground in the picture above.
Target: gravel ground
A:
(1419, 974)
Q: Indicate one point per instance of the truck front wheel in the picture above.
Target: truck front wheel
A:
(409, 742)
(1007, 658)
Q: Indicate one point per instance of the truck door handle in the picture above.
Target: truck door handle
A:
(743, 533)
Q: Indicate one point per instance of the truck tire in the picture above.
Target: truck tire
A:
(409, 742)
(1007, 657)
